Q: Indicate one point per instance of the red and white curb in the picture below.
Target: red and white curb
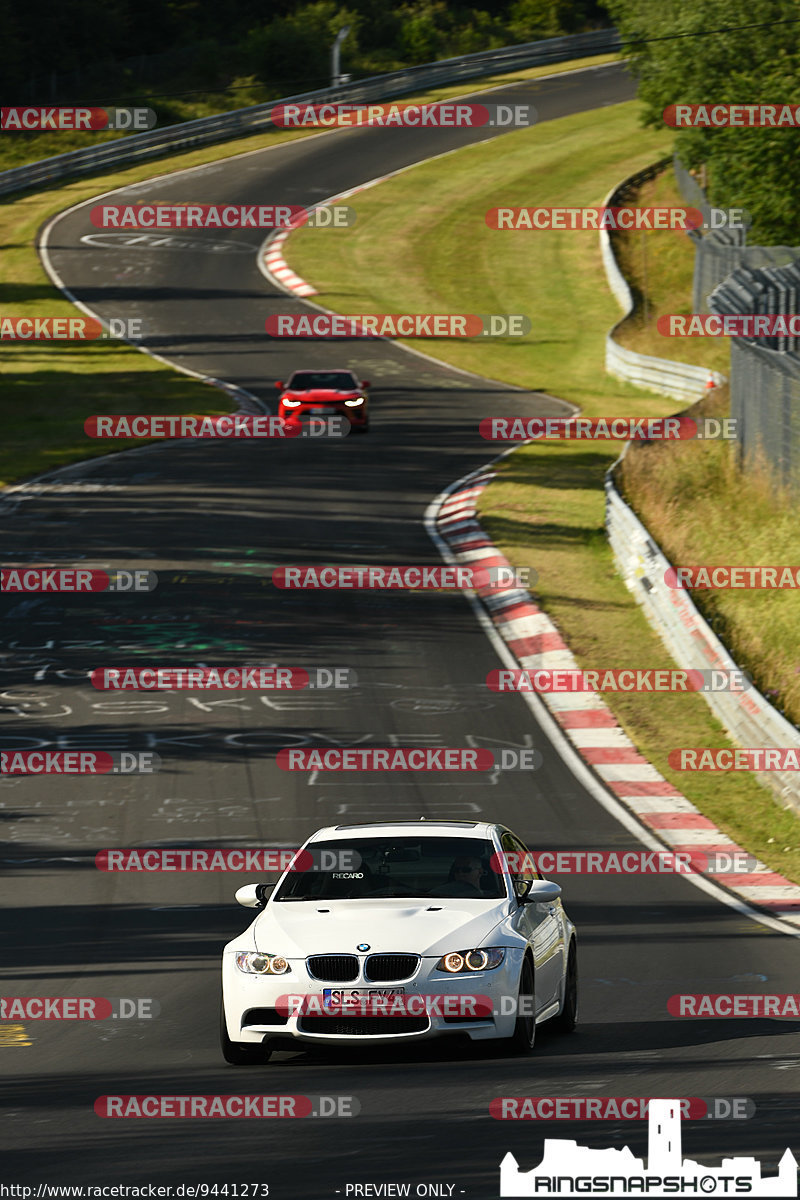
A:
(587, 721)
(279, 270)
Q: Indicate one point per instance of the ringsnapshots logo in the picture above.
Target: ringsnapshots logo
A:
(567, 1169)
(397, 325)
(234, 425)
(441, 115)
(57, 118)
(15, 577)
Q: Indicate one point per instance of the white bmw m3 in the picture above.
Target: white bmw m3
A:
(398, 931)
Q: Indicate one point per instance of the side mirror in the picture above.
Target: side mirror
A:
(254, 895)
(365, 383)
(540, 891)
(278, 383)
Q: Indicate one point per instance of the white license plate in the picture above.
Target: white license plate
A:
(335, 997)
(324, 410)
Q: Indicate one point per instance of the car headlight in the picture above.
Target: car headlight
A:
(253, 963)
(460, 961)
(291, 403)
(354, 403)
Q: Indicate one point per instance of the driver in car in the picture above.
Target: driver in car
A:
(465, 879)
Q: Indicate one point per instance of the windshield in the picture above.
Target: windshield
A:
(335, 381)
(367, 868)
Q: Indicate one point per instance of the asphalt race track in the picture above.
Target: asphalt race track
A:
(213, 519)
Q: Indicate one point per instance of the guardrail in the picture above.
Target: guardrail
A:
(682, 381)
(749, 719)
(204, 131)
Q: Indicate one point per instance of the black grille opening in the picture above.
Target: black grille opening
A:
(333, 968)
(264, 1016)
(464, 1020)
(363, 1026)
(386, 968)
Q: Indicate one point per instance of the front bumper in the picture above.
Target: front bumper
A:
(296, 416)
(252, 1017)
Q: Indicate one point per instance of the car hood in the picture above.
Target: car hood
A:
(387, 926)
(323, 396)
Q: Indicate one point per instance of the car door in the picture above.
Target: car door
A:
(539, 923)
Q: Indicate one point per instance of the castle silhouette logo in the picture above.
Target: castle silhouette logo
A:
(568, 1169)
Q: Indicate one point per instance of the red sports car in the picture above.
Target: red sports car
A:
(325, 393)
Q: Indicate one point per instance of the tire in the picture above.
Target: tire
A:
(524, 1036)
(567, 1019)
(239, 1054)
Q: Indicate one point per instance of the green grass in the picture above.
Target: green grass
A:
(432, 220)
(546, 510)
(659, 267)
(701, 508)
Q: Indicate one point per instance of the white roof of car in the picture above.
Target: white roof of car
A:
(405, 828)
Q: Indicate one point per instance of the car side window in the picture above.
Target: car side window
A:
(520, 861)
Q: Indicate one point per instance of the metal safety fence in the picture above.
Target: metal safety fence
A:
(732, 277)
(747, 716)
